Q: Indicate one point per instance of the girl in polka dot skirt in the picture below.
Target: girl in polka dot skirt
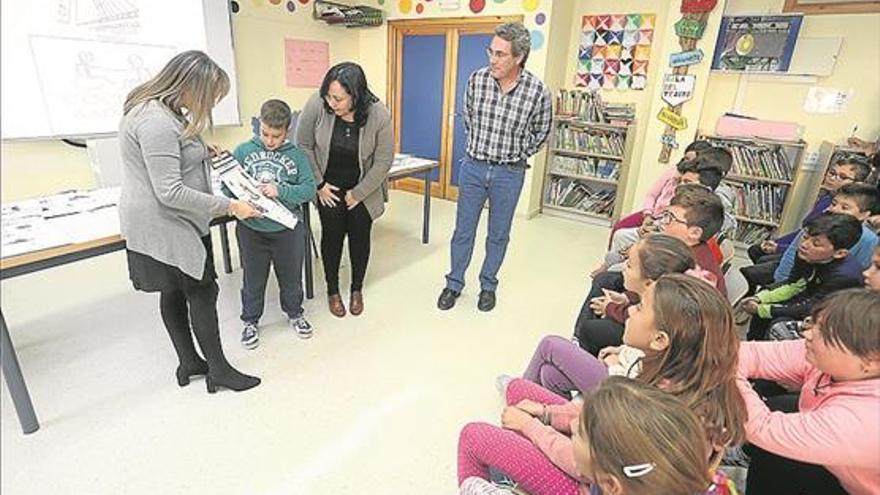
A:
(686, 329)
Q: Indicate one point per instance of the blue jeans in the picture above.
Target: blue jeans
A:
(501, 184)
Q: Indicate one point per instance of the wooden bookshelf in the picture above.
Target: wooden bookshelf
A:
(588, 166)
(768, 178)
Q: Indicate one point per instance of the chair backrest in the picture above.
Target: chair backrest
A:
(737, 285)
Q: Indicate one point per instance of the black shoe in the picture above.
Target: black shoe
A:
(487, 300)
(447, 299)
(184, 373)
(231, 379)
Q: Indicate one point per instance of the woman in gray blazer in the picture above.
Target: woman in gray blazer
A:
(167, 204)
(347, 135)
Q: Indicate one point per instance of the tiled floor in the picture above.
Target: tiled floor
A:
(370, 405)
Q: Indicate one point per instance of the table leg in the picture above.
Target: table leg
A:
(426, 214)
(224, 238)
(15, 382)
(307, 223)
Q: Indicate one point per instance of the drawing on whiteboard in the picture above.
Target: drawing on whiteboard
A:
(82, 81)
(104, 11)
(63, 11)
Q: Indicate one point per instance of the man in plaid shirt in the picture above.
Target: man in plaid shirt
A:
(507, 114)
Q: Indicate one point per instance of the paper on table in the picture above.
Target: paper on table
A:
(244, 187)
(403, 162)
(88, 225)
(29, 234)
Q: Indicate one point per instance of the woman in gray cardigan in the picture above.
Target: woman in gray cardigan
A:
(347, 135)
(166, 206)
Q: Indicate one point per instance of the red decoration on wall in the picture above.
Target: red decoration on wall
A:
(697, 6)
(477, 6)
(420, 8)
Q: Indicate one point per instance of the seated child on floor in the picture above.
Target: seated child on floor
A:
(562, 367)
(830, 444)
(823, 266)
(858, 200)
(765, 255)
(685, 329)
(634, 439)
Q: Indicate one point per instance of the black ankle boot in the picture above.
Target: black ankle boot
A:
(184, 373)
(231, 379)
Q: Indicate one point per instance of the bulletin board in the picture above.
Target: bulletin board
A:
(614, 50)
(756, 43)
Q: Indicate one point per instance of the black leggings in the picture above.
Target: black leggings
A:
(771, 474)
(336, 223)
(594, 333)
(193, 310)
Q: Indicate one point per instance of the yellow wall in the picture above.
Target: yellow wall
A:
(373, 56)
(642, 99)
(774, 99)
(37, 168)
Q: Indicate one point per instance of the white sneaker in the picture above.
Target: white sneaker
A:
(250, 336)
(301, 326)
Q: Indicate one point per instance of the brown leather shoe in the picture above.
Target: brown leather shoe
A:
(356, 303)
(336, 306)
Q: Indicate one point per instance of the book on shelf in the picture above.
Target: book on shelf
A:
(588, 106)
(589, 140)
(757, 159)
(760, 201)
(750, 233)
(579, 195)
(590, 166)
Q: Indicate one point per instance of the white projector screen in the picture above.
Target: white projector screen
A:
(67, 65)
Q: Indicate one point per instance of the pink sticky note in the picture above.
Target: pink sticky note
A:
(305, 62)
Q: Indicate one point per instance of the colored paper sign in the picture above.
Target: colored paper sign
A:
(672, 119)
(680, 59)
(669, 140)
(305, 62)
(678, 88)
(697, 6)
(689, 28)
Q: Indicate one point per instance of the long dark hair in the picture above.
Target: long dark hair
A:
(351, 77)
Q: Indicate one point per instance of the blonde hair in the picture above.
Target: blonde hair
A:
(644, 437)
(699, 365)
(191, 75)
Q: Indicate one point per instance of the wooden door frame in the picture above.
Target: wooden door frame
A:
(452, 27)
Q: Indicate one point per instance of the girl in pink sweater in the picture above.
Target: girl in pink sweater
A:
(831, 445)
(686, 330)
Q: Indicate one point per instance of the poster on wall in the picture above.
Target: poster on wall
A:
(614, 50)
(305, 62)
(756, 43)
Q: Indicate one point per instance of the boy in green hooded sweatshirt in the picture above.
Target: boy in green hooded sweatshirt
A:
(283, 172)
